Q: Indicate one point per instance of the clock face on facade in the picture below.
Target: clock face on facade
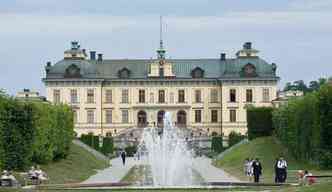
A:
(161, 62)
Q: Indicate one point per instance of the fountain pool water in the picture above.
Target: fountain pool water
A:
(167, 155)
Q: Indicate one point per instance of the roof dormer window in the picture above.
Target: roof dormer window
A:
(197, 73)
(124, 73)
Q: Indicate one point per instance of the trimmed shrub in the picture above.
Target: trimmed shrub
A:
(259, 120)
(131, 150)
(234, 138)
(107, 147)
(217, 144)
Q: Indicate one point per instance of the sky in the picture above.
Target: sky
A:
(294, 34)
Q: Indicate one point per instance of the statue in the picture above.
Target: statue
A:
(274, 68)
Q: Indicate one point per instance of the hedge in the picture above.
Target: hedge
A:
(33, 132)
(93, 141)
(217, 144)
(305, 126)
(234, 138)
(259, 122)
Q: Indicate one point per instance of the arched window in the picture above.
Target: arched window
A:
(124, 73)
(141, 118)
(160, 118)
(197, 73)
(181, 119)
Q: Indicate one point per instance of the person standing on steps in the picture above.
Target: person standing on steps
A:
(257, 170)
(123, 157)
(248, 169)
(282, 167)
(276, 171)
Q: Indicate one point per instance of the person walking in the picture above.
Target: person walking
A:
(123, 157)
(257, 168)
(282, 167)
(276, 171)
(248, 168)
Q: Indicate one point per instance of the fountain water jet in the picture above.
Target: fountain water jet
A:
(167, 155)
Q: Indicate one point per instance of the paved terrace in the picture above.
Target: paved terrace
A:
(117, 171)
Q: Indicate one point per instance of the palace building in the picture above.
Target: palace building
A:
(209, 96)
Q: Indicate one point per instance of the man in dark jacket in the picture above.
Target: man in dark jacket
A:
(257, 170)
(123, 157)
(276, 171)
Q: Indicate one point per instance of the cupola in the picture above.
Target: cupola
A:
(75, 52)
(247, 51)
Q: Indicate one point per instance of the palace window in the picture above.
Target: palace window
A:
(141, 96)
(90, 96)
(232, 115)
(249, 95)
(214, 116)
(266, 95)
(108, 115)
(90, 116)
(232, 95)
(214, 96)
(75, 116)
(161, 72)
(198, 96)
(124, 94)
(108, 96)
(181, 96)
(73, 96)
(124, 115)
(198, 116)
(161, 96)
(56, 96)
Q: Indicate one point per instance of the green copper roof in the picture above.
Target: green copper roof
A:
(213, 68)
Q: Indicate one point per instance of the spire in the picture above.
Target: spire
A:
(161, 51)
(161, 32)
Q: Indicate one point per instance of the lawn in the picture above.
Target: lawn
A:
(78, 166)
(267, 150)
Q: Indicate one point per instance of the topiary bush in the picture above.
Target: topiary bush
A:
(234, 138)
(217, 144)
(131, 150)
(107, 147)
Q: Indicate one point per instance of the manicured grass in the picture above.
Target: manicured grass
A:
(322, 187)
(78, 166)
(267, 150)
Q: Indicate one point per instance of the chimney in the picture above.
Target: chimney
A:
(92, 55)
(100, 57)
(223, 56)
(247, 45)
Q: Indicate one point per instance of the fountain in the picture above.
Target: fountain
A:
(167, 155)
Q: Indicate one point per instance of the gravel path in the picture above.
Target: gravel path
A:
(114, 173)
(211, 173)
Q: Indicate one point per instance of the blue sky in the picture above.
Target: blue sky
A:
(297, 35)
